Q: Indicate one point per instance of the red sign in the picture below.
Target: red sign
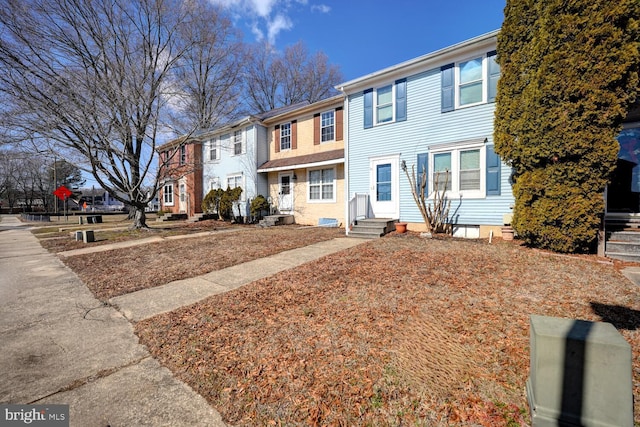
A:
(62, 192)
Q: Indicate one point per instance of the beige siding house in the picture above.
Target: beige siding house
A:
(305, 171)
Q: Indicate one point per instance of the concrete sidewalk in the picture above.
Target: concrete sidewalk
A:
(60, 345)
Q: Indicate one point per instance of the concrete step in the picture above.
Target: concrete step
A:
(275, 220)
(372, 228)
(623, 236)
(623, 256)
(364, 234)
(202, 217)
(631, 248)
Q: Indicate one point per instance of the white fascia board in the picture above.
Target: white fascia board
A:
(421, 63)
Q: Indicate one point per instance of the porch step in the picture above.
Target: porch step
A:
(623, 237)
(202, 217)
(172, 217)
(372, 228)
(275, 220)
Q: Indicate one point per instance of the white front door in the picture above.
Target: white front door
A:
(285, 192)
(384, 188)
(182, 195)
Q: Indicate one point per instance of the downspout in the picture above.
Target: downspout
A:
(256, 190)
(345, 137)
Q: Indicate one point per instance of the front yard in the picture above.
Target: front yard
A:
(395, 331)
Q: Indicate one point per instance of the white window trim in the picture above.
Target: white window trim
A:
(164, 195)
(243, 196)
(320, 201)
(485, 80)
(455, 149)
(182, 155)
(232, 138)
(214, 144)
(214, 184)
(290, 136)
(393, 104)
(333, 125)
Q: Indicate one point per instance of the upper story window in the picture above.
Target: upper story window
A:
(470, 78)
(285, 136)
(214, 149)
(385, 104)
(237, 142)
(469, 82)
(327, 126)
(183, 154)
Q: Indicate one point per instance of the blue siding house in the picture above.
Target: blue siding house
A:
(433, 112)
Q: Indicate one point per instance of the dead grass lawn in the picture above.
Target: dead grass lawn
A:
(117, 272)
(397, 331)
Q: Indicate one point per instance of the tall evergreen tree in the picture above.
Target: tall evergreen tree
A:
(569, 76)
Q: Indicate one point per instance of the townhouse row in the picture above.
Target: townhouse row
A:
(343, 157)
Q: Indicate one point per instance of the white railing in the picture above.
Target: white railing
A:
(358, 208)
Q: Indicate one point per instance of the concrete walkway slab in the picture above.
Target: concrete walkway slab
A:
(61, 345)
(146, 395)
(147, 303)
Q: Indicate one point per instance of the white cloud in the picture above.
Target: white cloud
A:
(322, 8)
(263, 7)
(267, 18)
(277, 24)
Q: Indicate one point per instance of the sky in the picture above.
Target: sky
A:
(360, 36)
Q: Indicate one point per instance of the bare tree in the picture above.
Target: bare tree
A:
(30, 180)
(98, 78)
(209, 79)
(275, 80)
(263, 77)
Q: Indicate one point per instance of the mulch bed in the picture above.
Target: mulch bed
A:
(397, 331)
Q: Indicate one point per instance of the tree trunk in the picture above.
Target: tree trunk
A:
(139, 218)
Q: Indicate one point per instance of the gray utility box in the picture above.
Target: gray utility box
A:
(88, 236)
(580, 374)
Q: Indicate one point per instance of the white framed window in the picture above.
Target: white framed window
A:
(321, 184)
(183, 192)
(462, 166)
(384, 104)
(234, 181)
(470, 78)
(476, 80)
(214, 149)
(285, 136)
(327, 126)
(214, 184)
(237, 142)
(167, 194)
(183, 154)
